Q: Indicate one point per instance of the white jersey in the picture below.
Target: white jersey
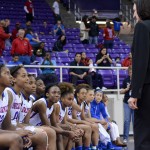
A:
(86, 109)
(35, 118)
(79, 113)
(25, 108)
(3, 107)
(16, 106)
(62, 112)
(70, 112)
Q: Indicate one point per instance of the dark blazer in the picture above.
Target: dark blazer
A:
(141, 58)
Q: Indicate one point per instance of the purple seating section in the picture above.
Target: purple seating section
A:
(13, 10)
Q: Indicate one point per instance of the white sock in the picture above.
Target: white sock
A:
(93, 147)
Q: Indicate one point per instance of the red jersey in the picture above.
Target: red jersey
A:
(127, 62)
(109, 34)
(3, 37)
(21, 47)
(29, 6)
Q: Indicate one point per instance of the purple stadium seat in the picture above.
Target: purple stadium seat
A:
(68, 45)
(60, 64)
(127, 50)
(107, 78)
(78, 45)
(90, 55)
(61, 54)
(53, 54)
(32, 71)
(122, 75)
(39, 59)
(114, 55)
(71, 55)
(122, 56)
(63, 60)
(79, 50)
(93, 50)
(7, 58)
(109, 50)
(89, 46)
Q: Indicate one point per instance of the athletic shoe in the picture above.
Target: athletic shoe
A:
(110, 146)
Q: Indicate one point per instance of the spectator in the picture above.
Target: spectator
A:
(84, 59)
(103, 58)
(78, 73)
(3, 36)
(95, 76)
(127, 61)
(56, 10)
(28, 8)
(93, 32)
(33, 38)
(59, 28)
(6, 28)
(45, 29)
(28, 26)
(108, 36)
(117, 25)
(47, 61)
(84, 30)
(128, 112)
(40, 52)
(22, 48)
(15, 61)
(95, 13)
(15, 31)
(117, 62)
(60, 43)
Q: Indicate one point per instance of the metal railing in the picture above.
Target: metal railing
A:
(73, 7)
(83, 67)
(127, 13)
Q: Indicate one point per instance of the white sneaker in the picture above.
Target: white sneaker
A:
(97, 88)
(125, 141)
(104, 88)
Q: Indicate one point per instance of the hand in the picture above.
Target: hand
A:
(23, 132)
(128, 86)
(132, 102)
(103, 122)
(105, 56)
(27, 142)
(80, 76)
(72, 135)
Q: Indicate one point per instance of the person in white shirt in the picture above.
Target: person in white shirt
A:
(56, 9)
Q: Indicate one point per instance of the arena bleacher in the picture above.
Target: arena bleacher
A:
(14, 11)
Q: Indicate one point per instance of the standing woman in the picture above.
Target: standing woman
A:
(84, 30)
(140, 85)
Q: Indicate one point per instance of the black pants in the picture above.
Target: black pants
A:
(142, 121)
(29, 17)
(87, 79)
(97, 80)
(85, 41)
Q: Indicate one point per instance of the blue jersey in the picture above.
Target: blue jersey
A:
(98, 109)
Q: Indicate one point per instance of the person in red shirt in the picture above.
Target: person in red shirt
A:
(28, 7)
(22, 48)
(108, 36)
(3, 36)
(127, 61)
(84, 59)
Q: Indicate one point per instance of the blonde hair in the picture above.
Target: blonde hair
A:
(2, 23)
